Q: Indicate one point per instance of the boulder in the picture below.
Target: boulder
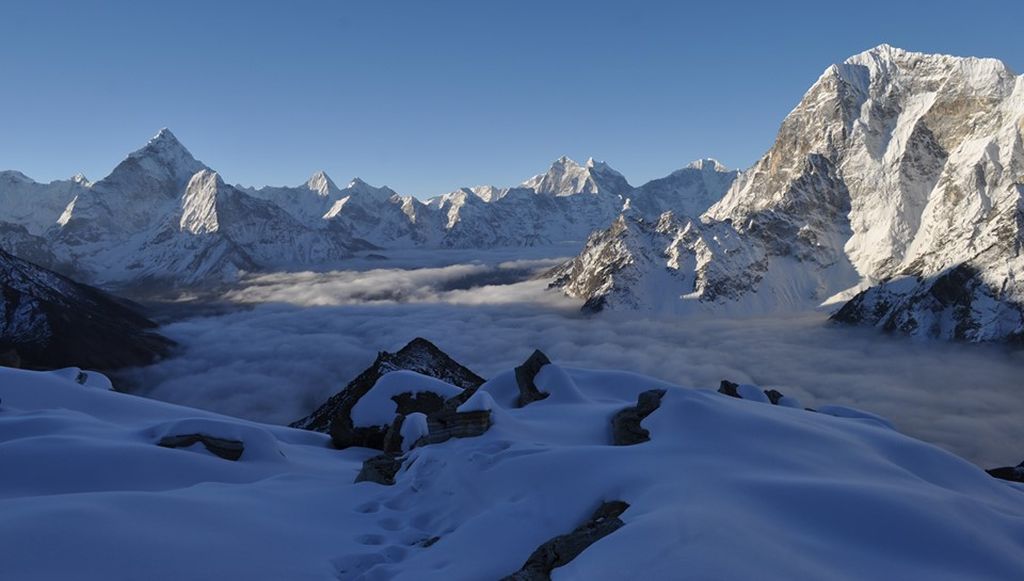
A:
(1011, 473)
(729, 388)
(525, 374)
(626, 428)
(222, 447)
(564, 548)
(380, 469)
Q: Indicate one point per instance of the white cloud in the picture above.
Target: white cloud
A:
(305, 335)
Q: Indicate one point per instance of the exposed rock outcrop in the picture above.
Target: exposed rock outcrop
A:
(626, 428)
(1011, 473)
(525, 374)
(564, 548)
(222, 447)
(380, 469)
(418, 355)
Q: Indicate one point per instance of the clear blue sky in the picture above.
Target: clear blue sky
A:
(427, 96)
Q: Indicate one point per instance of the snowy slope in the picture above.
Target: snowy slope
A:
(894, 165)
(33, 205)
(50, 321)
(724, 487)
(689, 191)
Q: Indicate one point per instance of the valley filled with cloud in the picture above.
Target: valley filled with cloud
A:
(276, 346)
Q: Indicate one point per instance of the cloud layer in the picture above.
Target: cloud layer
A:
(301, 337)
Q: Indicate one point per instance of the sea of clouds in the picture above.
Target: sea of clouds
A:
(277, 346)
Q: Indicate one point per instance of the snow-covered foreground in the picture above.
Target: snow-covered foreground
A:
(726, 488)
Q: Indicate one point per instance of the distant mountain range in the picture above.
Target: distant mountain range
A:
(163, 216)
(895, 186)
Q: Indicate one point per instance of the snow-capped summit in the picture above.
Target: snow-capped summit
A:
(566, 177)
(322, 184)
(707, 164)
(164, 160)
(689, 191)
(357, 187)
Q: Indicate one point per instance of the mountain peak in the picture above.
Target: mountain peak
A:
(321, 183)
(566, 177)
(565, 162)
(164, 154)
(16, 176)
(707, 164)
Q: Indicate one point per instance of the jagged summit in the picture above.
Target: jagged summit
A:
(888, 53)
(164, 146)
(707, 164)
(566, 177)
(322, 184)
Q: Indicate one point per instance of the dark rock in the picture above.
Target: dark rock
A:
(626, 428)
(1011, 473)
(223, 447)
(424, 402)
(380, 469)
(420, 356)
(774, 395)
(428, 542)
(564, 548)
(9, 358)
(525, 374)
(393, 436)
(446, 425)
(729, 388)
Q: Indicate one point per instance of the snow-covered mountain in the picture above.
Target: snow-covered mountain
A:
(49, 321)
(568, 202)
(898, 172)
(688, 192)
(608, 476)
(161, 215)
(33, 205)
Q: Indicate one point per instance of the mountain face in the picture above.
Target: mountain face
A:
(568, 202)
(34, 206)
(899, 174)
(418, 355)
(49, 321)
(689, 191)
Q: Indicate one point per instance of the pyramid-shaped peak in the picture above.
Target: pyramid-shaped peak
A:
(166, 148)
(321, 183)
